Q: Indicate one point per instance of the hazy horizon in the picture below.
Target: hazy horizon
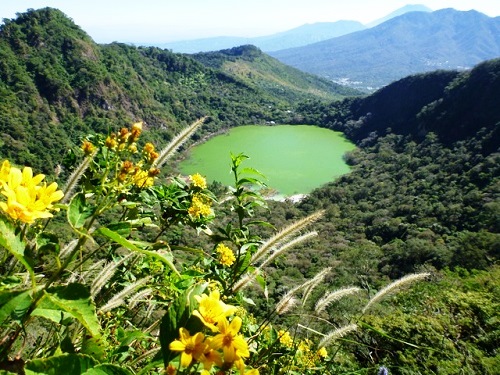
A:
(157, 21)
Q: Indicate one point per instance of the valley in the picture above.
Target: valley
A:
(144, 258)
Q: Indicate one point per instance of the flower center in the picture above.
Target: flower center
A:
(189, 348)
(228, 339)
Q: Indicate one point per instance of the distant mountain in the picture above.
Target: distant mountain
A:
(297, 37)
(300, 36)
(411, 43)
(257, 69)
(398, 12)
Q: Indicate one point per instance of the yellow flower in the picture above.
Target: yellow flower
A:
(210, 356)
(170, 370)
(124, 135)
(149, 148)
(198, 181)
(305, 346)
(137, 126)
(233, 344)
(136, 131)
(322, 352)
(26, 200)
(227, 257)
(191, 347)
(142, 179)
(88, 148)
(111, 142)
(4, 172)
(211, 309)
(199, 207)
(132, 148)
(241, 367)
(49, 194)
(149, 152)
(285, 338)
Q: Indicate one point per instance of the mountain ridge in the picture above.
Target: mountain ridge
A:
(296, 37)
(301, 35)
(411, 43)
(453, 105)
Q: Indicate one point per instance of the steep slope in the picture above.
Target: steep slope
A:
(261, 71)
(412, 43)
(57, 85)
(454, 105)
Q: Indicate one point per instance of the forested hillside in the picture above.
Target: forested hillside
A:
(57, 85)
(255, 68)
(453, 105)
(423, 194)
(152, 253)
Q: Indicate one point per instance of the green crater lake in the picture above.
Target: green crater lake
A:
(294, 158)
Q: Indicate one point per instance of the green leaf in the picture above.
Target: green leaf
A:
(236, 160)
(94, 347)
(79, 211)
(107, 369)
(162, 257)
(249, 180)
(3, 372)
(16, 305)
(47, 243)
(74, 300)
(249, 170)
(14, 245)
(123, 228)
(179, 315)
(74, 364)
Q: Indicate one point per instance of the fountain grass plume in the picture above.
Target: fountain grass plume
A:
(395, 286)
(286, 303)
(291, 293)
(119, 298)
(336, 334)
(284, 235)
(68, 249)
(177, 142)
(105, 275)
(287, 246)
(331, 297)
(139, 297)
(243, 281)
(75, 177)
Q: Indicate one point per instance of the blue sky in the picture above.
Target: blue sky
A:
(156, 21)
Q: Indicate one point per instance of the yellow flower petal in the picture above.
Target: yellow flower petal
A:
(186, 359)
(176, 346)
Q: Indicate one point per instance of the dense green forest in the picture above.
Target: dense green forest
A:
(57, 85)
(423, 194)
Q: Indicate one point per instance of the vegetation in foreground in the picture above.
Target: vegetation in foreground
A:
(415, 202)
(114, 297)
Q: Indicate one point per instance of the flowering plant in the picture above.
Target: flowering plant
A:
(110, 290)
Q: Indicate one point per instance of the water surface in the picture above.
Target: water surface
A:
(294, 158)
